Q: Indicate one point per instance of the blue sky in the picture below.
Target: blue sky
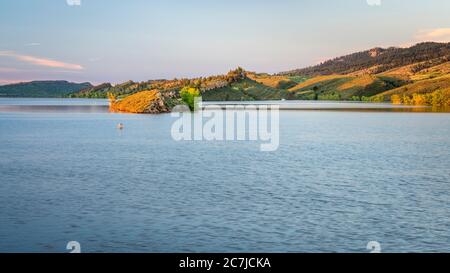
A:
(116, 40)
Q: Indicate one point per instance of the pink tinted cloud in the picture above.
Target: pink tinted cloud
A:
(434, 35)
(40, 61)
(439, 35)
(6, 81)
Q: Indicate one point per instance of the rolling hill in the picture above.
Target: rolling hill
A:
(345, 87)
(245, 90)
(41, 89)
(376, 75)
(378, 60)
(419, 87)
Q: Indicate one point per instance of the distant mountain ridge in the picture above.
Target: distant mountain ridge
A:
(41, 89)
(378, 60)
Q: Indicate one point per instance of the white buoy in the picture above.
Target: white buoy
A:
(120, 126)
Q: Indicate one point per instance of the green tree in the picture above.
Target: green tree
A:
(188, 95)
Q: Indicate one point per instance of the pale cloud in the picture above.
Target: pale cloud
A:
(40, 61)
(439, 35)
(434, 35)
(33, 44)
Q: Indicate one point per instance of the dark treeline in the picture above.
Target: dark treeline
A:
(42, 89)
(380, 60)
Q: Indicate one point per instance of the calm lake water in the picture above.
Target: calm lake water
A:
(338, 180)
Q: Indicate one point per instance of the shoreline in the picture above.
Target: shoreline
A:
(53, 105)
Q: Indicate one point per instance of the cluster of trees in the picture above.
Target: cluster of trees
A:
(335, 96)
(175, 85)
(236, 75)
(286, 84)
(102, 90)
(427, 64)
(332, 96)
(188, 95)
(382, 59)
(440, 98)
(220, 81)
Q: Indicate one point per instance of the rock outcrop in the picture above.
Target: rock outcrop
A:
(145, 102)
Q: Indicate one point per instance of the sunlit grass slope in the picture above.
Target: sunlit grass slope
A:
(142, 102)
(245, 90)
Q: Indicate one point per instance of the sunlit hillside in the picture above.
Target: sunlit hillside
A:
(372, 75)
(419, 87)
(148, 102)
(376, 74)
(245, 90)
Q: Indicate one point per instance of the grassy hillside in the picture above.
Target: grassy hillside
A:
(344, 87)
(418, 87)
(42, 89)
(277, 82)
(245, 90)
(319, 80)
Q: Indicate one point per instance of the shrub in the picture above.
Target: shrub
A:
(111, 97)
(419, 99)
(332, 97)
(379, 98)
(188, 95)
(286, 84)
(439, 98)
(396, 99)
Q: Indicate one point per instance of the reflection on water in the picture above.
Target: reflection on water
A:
(333, 106)
(101, 106)
(55, 108)
(52, 101)
(53, 105)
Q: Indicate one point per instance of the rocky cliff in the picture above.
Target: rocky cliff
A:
(145, 102)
